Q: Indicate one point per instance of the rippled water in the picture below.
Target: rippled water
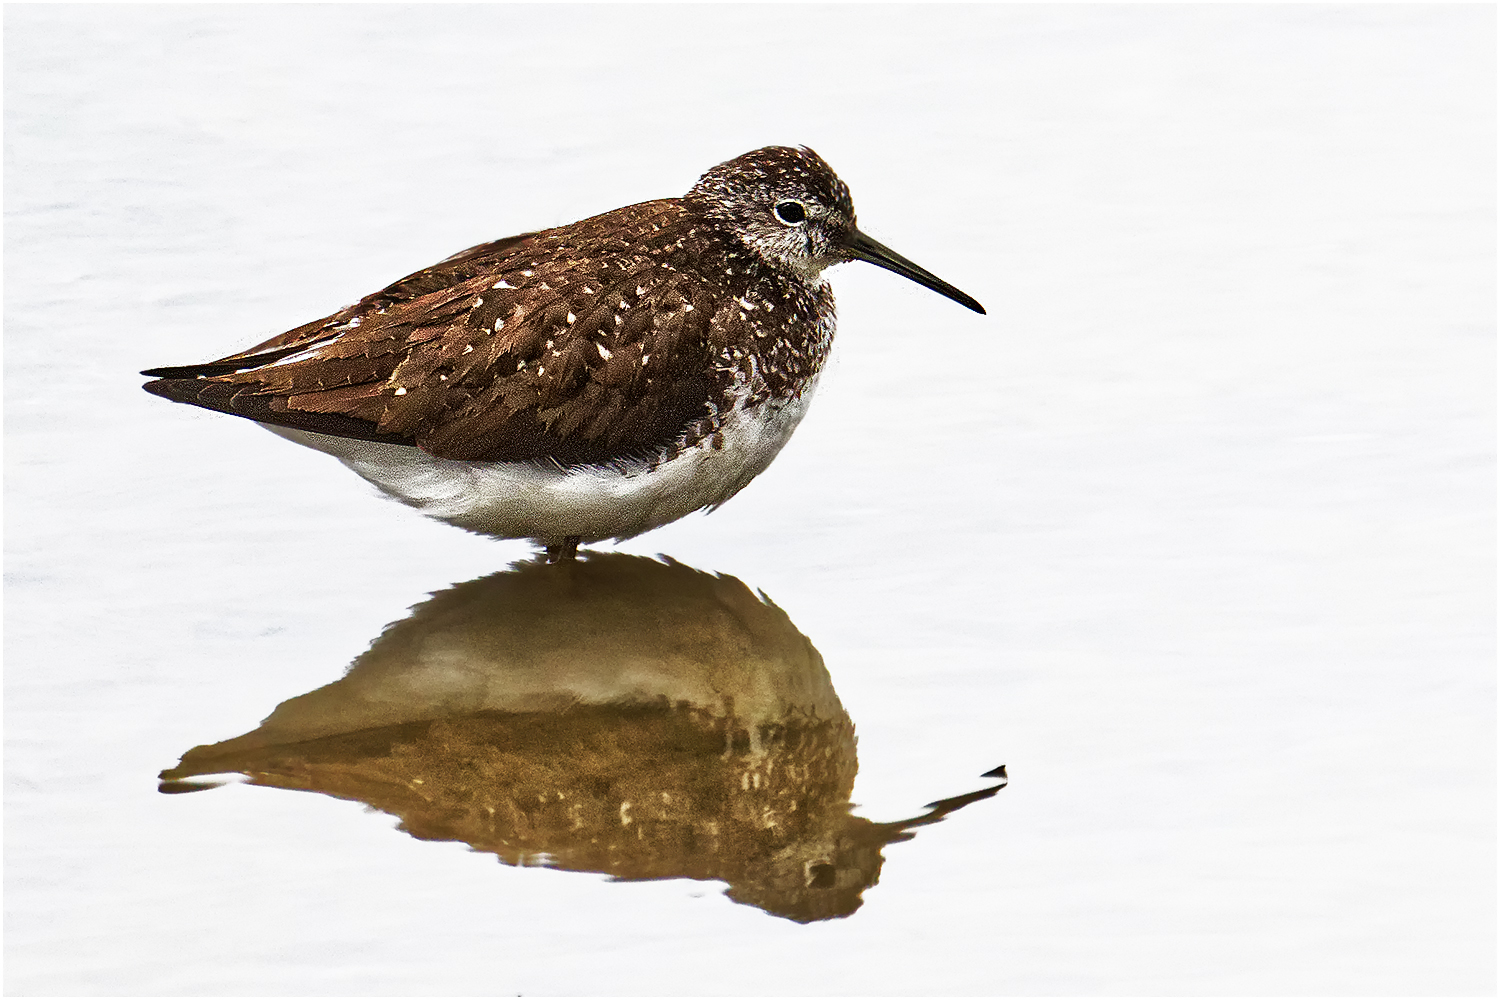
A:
(1137, 637)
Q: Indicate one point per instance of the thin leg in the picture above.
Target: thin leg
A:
(568, 550)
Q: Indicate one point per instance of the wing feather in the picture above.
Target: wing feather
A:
(540, 346)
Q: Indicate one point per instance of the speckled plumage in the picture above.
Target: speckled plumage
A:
(610, 347)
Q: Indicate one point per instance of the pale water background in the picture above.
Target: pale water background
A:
(1194, 531)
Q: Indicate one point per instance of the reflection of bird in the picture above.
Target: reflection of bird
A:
(617, 715)
(588, 382)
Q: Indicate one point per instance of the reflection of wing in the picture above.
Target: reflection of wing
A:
(582, 345)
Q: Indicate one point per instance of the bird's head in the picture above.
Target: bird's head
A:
(790, 209)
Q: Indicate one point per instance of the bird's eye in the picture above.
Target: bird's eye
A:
(791, 212)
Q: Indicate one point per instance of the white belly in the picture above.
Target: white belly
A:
(545, 502)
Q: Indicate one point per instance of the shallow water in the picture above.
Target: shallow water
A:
(1193, 533)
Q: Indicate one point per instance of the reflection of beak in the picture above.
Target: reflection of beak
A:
(858, 246)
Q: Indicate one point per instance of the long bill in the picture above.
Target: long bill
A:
(860, 247)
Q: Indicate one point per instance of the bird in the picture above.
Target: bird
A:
(583, 383)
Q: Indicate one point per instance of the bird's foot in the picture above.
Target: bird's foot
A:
(566, 552)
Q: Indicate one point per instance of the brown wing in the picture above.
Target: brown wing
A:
(581, 344)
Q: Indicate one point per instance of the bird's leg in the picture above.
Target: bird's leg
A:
(568, 550)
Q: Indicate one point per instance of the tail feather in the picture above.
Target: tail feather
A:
(226, 366)
(243, 401)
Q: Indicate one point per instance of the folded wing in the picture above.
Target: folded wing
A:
(554, 345)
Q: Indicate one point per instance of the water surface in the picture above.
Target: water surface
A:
(1194, 532)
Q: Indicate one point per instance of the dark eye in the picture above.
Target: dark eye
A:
(791, 212)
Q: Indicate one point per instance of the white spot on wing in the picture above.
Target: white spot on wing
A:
(302, 355)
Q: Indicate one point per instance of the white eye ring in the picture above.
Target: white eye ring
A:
(790, 213)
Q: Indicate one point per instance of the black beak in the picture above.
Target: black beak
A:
(858, 246)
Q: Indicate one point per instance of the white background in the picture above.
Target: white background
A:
(1195, 530)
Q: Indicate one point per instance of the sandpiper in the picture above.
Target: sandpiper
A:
(582, 383)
